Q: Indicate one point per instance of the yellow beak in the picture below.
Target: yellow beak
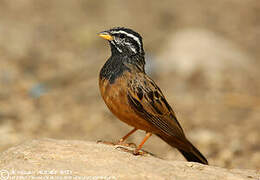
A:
(106, 36)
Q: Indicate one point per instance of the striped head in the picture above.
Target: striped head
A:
(124, 41)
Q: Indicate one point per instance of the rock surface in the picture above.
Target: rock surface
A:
(63, 159)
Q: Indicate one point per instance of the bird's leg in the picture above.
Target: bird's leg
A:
(121, 141)
(137, 150)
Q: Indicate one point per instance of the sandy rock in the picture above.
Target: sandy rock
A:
(63, 159)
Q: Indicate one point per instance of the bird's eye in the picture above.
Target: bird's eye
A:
(121, 36)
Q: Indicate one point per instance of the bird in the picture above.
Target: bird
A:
(134, 98)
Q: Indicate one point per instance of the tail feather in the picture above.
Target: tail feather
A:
(190, 152)
(194, 155)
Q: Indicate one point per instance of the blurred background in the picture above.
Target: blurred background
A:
(203, 54)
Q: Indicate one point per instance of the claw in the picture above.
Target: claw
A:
(126, 147)
(132, 151)
(133, 145)
(127, 144)
(106, 142)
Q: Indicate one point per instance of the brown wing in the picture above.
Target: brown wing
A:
(146, 98)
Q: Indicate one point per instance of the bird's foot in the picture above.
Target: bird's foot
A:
(133, 151)
(132, 145)
(137, 152)
(106, 142)
(119, 143)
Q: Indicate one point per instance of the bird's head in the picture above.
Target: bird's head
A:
(123, 41)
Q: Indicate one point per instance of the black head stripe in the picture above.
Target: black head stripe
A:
(124, 32)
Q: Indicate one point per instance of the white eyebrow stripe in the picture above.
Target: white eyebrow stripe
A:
(131, 47)
(129, 35)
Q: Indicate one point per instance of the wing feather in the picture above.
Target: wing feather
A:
(146, 98)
